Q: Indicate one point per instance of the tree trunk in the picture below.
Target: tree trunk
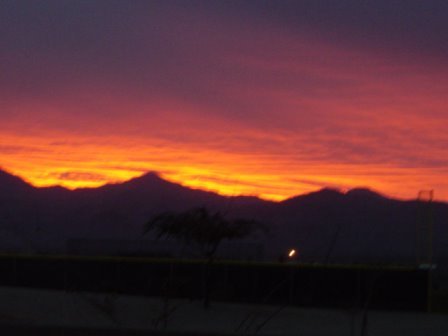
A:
(207, 278)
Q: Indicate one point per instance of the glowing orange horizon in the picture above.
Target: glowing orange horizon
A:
(266, 176)
(275, 122)
(215, 187)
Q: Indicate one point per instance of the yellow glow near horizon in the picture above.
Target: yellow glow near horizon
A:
(275, 186)
(92, 162)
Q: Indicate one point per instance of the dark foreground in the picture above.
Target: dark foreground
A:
(58, 331)
(49, 312)
(300, 285)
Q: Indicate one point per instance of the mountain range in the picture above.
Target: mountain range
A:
(324, 226)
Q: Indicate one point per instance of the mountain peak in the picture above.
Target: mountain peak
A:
(322, 195)
(363, 192)
(147, 180)
(148, 177)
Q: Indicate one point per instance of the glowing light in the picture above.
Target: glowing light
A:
(292, 253)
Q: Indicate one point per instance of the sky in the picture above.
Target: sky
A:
(266, 98)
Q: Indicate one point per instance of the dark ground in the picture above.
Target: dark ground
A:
(57, 331)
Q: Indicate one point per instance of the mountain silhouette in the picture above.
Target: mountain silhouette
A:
(12, 183)
(324, 226)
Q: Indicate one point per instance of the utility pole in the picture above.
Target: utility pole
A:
(424, 238)
(424, 228)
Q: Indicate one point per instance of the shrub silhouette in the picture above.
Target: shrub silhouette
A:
(204, 228)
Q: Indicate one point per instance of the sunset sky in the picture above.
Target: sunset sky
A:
(267, 98)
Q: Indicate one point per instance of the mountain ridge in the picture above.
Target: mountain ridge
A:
(153, 177)
(325, 226)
